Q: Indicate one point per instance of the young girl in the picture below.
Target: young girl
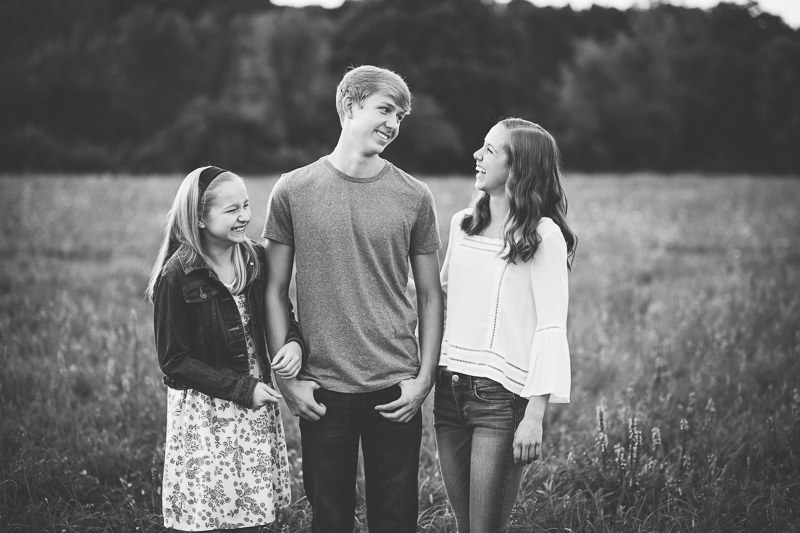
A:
(504, 353)
(225, 464)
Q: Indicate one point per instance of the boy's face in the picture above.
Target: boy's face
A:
(375, 124)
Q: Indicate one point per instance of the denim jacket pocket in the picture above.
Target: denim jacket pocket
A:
(202, 298)
(199, 292)
(490, 391)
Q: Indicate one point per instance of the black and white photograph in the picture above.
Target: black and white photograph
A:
(400, 266)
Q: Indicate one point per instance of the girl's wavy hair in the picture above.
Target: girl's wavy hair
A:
(182, 232)
(534, 190)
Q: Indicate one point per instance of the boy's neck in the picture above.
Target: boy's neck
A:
(353, 162)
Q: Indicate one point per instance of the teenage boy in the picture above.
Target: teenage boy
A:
(352, 222)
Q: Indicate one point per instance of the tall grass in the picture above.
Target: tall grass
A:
(685, 305)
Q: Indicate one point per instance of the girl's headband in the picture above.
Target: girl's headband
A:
(207, 176)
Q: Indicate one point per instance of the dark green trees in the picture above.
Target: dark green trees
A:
(170, 84)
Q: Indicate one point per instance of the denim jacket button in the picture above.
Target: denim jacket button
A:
(203, 295)
(455, 378)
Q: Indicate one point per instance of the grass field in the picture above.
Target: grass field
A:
(685, 307)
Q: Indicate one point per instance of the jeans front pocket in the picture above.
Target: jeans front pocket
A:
(491, 391)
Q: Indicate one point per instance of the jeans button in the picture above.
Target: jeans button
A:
(455, 378)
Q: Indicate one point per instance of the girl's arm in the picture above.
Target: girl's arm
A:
(452, 240)
(549, 366)
(549, 362)
(173, 331)
(528, 436)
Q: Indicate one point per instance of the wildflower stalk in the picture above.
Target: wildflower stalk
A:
(602, 437)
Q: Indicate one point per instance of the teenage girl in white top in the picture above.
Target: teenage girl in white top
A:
(505, 353)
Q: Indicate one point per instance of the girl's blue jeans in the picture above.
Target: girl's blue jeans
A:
(475, 419)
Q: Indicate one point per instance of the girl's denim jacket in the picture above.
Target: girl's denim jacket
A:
(199, 336)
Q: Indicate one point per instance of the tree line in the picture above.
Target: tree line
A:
(167, 85)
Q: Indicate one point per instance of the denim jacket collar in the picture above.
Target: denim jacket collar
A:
(191, 261)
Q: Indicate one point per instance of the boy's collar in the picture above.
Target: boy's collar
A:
(356, 167)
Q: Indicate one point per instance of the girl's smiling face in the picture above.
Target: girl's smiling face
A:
(227, 215)
(491, 162)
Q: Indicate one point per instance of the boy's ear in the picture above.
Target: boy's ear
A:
(348, 103)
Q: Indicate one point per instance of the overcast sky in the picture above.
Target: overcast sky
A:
(789, 10)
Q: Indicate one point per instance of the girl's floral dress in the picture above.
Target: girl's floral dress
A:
(225, 466)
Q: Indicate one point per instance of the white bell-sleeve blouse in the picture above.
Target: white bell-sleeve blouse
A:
(505, 321)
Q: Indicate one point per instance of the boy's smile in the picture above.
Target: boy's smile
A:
(387, 137)
(375, 124)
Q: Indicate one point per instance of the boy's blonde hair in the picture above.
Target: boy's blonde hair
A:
(366, 80)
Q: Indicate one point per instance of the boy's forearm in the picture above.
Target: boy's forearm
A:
(279, 260)
(430, 333)
(277, 319)
(430, 311)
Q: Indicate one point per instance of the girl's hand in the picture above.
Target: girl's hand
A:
(528, 437)
(288, 360)
(527, 441)
(262, 395)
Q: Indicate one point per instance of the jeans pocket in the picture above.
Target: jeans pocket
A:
(487, 390)
(324, 396)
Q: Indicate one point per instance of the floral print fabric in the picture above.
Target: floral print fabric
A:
(225, 466)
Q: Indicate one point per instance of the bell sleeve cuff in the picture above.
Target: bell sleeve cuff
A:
(550, 366)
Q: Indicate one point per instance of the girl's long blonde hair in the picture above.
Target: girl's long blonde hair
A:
(182, 231)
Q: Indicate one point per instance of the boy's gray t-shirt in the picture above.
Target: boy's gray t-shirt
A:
(352, 240)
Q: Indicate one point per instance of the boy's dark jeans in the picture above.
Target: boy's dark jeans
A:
(391, 462)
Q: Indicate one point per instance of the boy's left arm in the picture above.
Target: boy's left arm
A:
(425, 268)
